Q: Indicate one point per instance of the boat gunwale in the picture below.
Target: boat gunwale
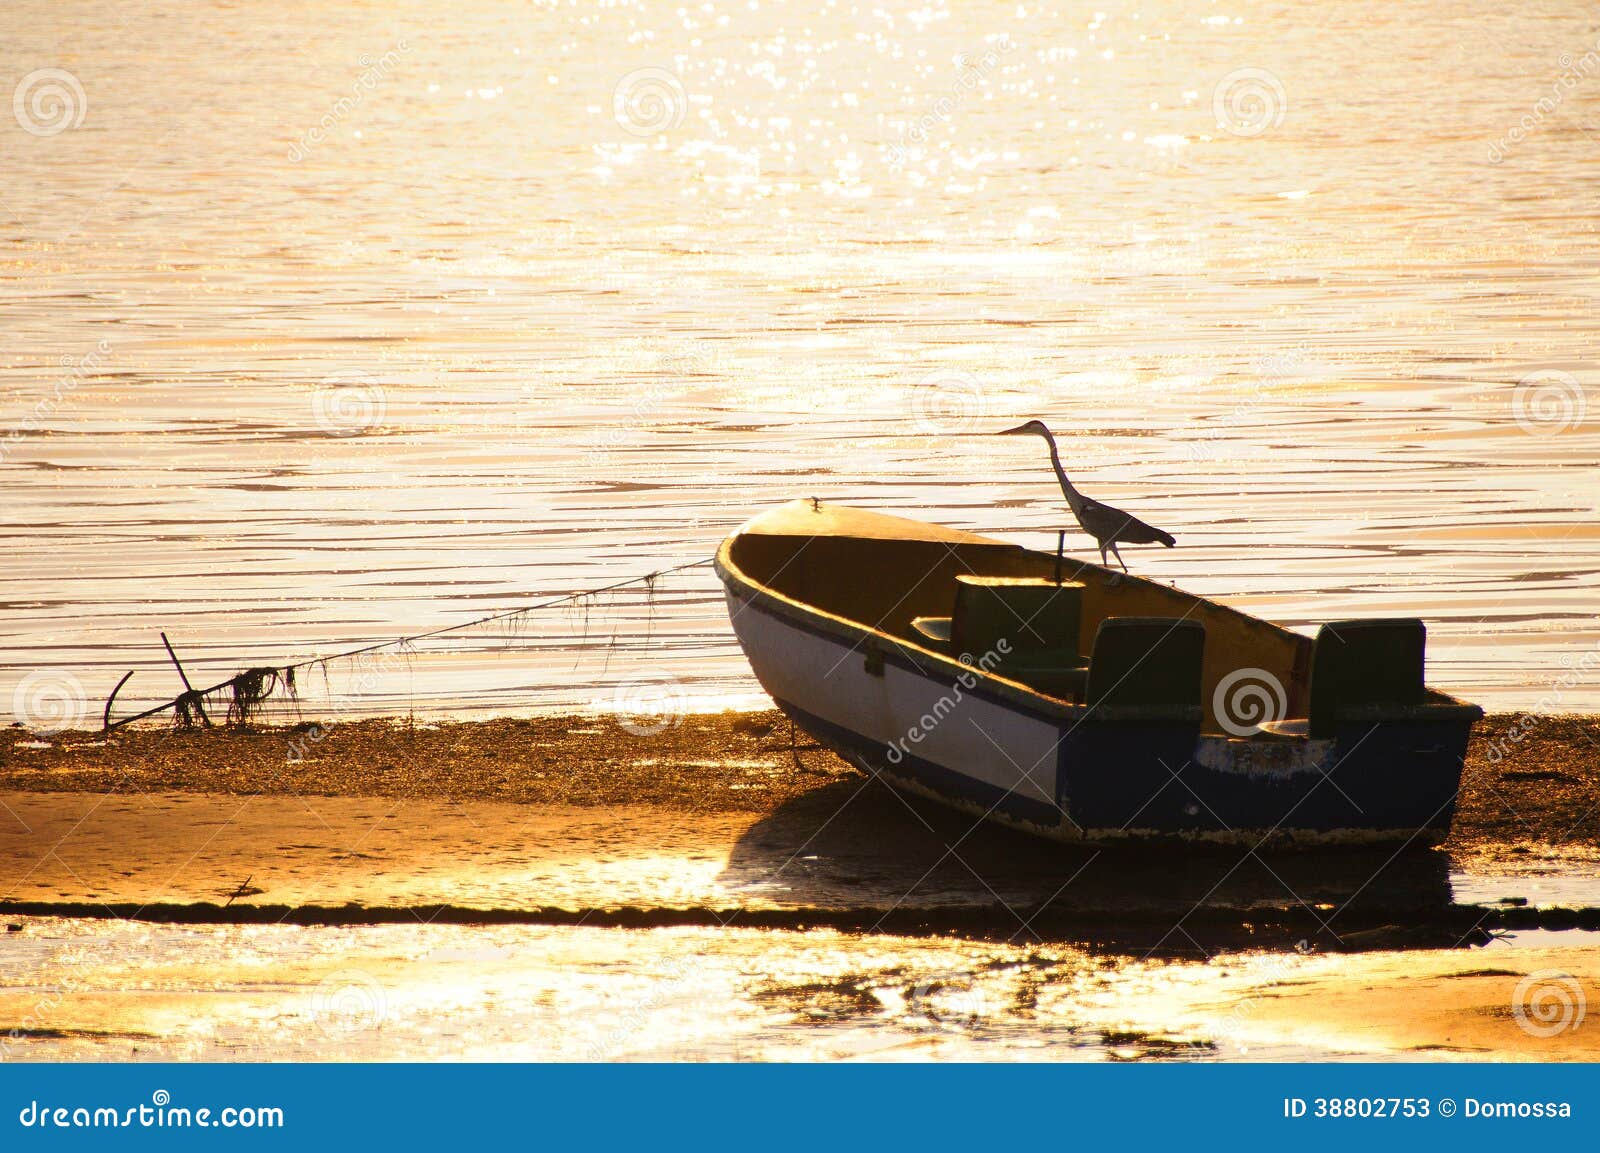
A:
(1437, 705)
(915, 657)
(919, 658)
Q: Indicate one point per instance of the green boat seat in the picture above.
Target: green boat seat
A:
(1035, 622)
(1029, 614)
(1369, 663)
(1146, 661)
(1054, 672)
(1021, 628)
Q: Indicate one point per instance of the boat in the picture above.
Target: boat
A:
(1080, 703)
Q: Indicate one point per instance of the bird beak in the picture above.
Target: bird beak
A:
(1021, 428)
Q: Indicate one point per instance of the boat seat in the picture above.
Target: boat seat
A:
(1028, 613)
(1146, 661)
(1365, 663)
(1038, 621)
(1288, 729)
(933, 629)
(1059, 673)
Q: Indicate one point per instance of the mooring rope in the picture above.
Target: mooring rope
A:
(255, 684)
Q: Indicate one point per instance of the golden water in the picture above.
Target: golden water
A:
(369, 318)
(88, 990)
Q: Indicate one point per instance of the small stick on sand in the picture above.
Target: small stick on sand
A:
(193, 699)
(243, 890)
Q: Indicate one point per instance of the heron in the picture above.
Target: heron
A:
(1106, 524)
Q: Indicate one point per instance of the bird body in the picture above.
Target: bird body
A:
(1106, 524)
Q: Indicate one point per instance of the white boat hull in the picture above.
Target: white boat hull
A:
(998, 759)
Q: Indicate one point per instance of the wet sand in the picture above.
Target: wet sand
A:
(579, 820)
(400, 865)
(121, 990)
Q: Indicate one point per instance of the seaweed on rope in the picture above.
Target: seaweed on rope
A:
(251, 689)
(248, 691)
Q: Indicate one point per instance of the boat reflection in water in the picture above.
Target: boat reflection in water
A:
(858, 854)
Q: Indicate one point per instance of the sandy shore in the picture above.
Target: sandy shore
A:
(575, 819)
(1445, 1005)
(237, 876)
(717, 763)
(851, 857)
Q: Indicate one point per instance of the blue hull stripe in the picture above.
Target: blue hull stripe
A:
(1396, 780)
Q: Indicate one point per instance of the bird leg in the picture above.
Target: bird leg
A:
(1118, 554)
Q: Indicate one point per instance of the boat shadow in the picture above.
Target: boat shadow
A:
(899, 864)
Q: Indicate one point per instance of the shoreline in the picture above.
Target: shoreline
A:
(717, 820)
(714, 761)
(1541, 787)
(848, 856)
(1456, 927)
(539, 993)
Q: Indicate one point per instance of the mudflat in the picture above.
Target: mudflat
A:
(567, 819)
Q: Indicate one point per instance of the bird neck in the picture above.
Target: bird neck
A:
(1074, 497)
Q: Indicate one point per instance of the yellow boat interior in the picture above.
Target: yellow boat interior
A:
(1067, 631)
